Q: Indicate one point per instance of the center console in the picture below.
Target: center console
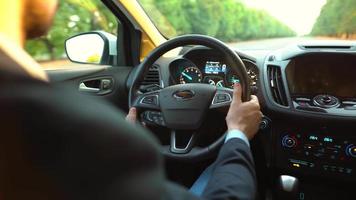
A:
(311, 96)
(323, 84)
(318, 151)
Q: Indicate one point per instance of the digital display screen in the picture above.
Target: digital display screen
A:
(213, 67)
(333, 75)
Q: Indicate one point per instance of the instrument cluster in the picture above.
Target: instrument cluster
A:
(213, 72)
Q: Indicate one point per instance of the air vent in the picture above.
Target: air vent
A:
(339, 47)
(152, 76)
(276, 85)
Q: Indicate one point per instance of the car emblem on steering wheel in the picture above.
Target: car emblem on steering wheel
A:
(183, 94)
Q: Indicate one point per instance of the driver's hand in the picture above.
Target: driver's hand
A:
(132, 115)
(244, 116)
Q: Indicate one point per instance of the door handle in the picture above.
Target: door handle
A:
(84, 88)
(99, 86)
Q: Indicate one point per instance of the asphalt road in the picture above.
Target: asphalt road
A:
(277, 43)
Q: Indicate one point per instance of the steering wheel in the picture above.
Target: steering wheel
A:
(184, 106)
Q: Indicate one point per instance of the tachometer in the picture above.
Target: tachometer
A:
(231, 77)
(253, 77)
(190, 75)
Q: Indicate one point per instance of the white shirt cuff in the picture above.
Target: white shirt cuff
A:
(235, 133)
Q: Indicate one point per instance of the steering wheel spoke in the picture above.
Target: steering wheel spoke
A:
(222, 98)
(181, 144)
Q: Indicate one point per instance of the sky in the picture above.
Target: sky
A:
(299, 15)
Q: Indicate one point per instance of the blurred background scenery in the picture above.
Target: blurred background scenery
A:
(233, 21)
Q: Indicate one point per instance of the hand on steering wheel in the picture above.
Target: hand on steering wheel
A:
(132, 117)
(244, 116)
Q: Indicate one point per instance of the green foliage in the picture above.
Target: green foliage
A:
(337, 18)
(73, 17)
(228, 20)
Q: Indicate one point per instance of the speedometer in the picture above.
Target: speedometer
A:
(190, 75)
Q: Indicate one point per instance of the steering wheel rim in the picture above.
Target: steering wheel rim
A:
(232, 60)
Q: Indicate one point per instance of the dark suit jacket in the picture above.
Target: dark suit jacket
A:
(57, 144)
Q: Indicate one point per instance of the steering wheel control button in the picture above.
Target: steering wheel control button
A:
(289, 142)
(326, 101)
(153, 117)
(351, 150)
(150, 100)
(222, 98)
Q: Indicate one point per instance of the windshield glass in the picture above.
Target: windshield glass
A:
(238, 21)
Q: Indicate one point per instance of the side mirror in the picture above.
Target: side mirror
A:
(95, 47)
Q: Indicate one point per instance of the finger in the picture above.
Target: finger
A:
(132, 115)
(237, 93)
(254, 99)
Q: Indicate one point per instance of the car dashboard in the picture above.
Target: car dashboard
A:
(307, 93)
(206, 66)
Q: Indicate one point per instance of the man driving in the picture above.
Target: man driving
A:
(57, 144)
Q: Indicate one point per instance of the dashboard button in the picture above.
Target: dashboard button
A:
(326, 101)
(350, 107)
(289, 142)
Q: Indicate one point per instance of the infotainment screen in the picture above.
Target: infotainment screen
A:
(323, 74)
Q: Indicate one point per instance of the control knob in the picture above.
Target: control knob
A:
(289, 141)
(326, 101)
(351, 150)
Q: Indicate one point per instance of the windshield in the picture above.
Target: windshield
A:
(241, 21)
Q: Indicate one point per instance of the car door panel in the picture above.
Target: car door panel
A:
(98, 81)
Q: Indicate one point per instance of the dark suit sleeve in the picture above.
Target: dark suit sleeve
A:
(234, 175)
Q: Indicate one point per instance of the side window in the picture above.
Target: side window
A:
(73, 17)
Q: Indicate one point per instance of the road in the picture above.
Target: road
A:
(277, 43)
